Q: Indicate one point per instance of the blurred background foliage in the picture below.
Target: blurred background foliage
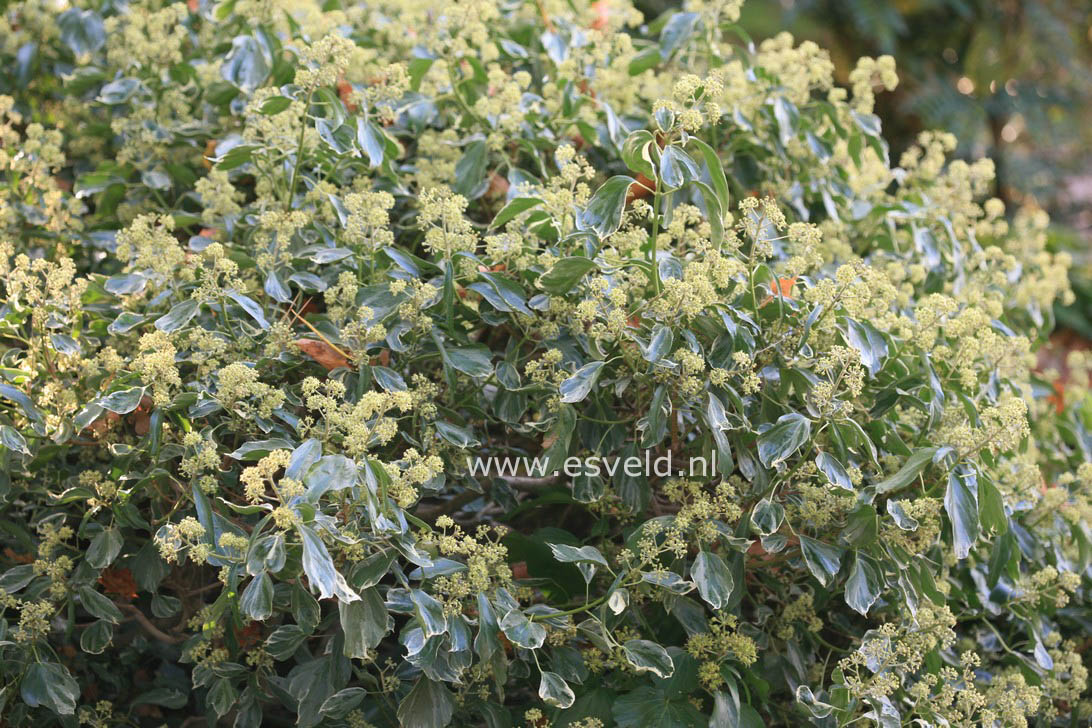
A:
(1011, 78)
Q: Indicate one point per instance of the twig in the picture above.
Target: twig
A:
(149, 627)
(529, 483)
(448, 506)
(524, 483)
(319, 334)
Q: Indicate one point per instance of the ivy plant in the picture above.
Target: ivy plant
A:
(515, 364)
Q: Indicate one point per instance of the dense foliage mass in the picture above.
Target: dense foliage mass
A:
(275, 273)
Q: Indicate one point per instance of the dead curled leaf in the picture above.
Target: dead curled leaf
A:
(641, 189)
(140, 418)
(322, 352)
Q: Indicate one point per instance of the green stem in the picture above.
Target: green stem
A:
(653, 258)
(299, 154)
(574, 610)
(227, 320)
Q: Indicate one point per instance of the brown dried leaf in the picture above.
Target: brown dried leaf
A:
(322, 352)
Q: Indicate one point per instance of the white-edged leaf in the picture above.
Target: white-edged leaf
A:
(320, 569)
(823, 560)
(648, 656)
(574, 554)
(783, 439)
(713, 579)
(576, 388)
(863, 585)
(555, 691)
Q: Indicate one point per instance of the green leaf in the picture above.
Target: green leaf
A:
(677, 167)
(236, 157)
(266, 554)
(122, 285)
(565, 273)
(246, 64)
(179, 315)
(729, 713)
(430, 613)
(275, 105)
(119, 91)
(1001, 558)
(99, 605)
(862, 525)
(668, 580)
(863, 585)
(713, 579)
(388, 379)
(511, 295)
(562, 434)
(12, 440)
(125, 322)
(991, 507)
(97, 637)
(908, 472)
(576, 388)
(320, 569)
(222, 696)
(637, 151)
(660, 344)
(258, 449)
(869, 342)
(331, 473)
(573, 554)
(716, 171)
(834, 471)
(25, 403)
(487, 642)
(767, 517)
(167, 697)
(82, 31)
(428, 705)
(460, 437)
(815, 707)
(648, 707)
(251, 307)
(104, 548)
(646, 59)
(648, 656)
(276, 289)
(284, 641)
(17, 577)
(522, 631)
(341, 703)
(123, 401)
(515, 207)
(365, 622)
(554, 691)
(868, 123)
(901, 518)
(257, 599)
(823, 560)
(653, 426)
(50, 685)
(471, 360)
(783, 439)
(603, 213)
(470, 170)
(961, 503)
(678, 30)
(372, 140)
(786, 115)
(418, 67)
